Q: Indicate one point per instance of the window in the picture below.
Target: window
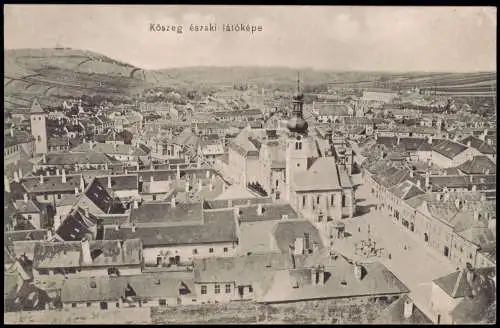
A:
(162, 302)
(203, 290)
(228, 288)
(39, 138)
(117, 304)
(195, 251)
(332, 200)
(277, 182)
(73, 305)
(58, 196)
(225, 249)
(217, 289)
(210, 250)
(470, 256)
(303, 200)
(154, 197)
(250, 289)
(317, 200)
(298, 165)
(89, 304)
(30, 217)
(46, 197)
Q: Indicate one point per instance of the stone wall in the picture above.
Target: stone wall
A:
(81, 316)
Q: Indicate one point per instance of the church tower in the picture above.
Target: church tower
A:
(297, 150)
(38, 127)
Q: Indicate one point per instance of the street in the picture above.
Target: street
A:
(416, 266)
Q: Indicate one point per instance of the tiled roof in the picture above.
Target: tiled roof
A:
(112, 149)
(481, 145)
(51, 184)
(77, 225)
(322, 175)
(119, 182)
(68, 254)
(217, 227)
(286, 232)
(449, 149)
(165, 214)
(269, 212)
(72, 158)
(406, 190)
(455, 284)
(20, 137)
(394, 314)
(478, 165)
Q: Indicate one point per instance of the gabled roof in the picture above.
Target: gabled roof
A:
(478, 165)
(449, 149)
(322, 175)
(481, 145)
(455, 284)
(406, 190)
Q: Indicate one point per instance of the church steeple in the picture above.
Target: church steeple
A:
(297, 123)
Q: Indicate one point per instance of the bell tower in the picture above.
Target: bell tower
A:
(39, 127)
(297, 152)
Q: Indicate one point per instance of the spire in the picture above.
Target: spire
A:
(36, 108)
(298, 82)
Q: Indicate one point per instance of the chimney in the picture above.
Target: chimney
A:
(16, 177)
(358, 271)
(76, 191)
(418, 183)
(474, 187)
(307, 242)
(109, 182)
(427, 179)
(284, 216)
(298, 248)
(87, 258)
(172, 202)
(314, 276)
(49, 234)
(126, 171)
(315, 247)
(44, 158)
(260, 210)
(46, 173)
(468, 143)
(57, 172)
(136, 204)
(430, 140)
(408, 309)
(20, 173)
(397, 142)
(178, 172)
(25, 197)
(411, 174)
(207, 175)
(63, 176)
(187, 186)
(6, 183)
(82, 183)
(321, 275)
(133, 227)
(41, 178)
(11, 132)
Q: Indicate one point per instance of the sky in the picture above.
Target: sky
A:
(332, 38)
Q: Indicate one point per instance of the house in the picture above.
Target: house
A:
(449, 153)
(58, 144)
(379, 96)
(78, 161)
(174, 235)
(15, 144)
(481, 145)
(455, 294)
(88, 258)
(35, 212)
(128, 154)
(145, 290)
(478, 165)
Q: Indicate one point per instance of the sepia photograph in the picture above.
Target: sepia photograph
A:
(209, 164)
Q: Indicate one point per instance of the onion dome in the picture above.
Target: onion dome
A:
(297, 124)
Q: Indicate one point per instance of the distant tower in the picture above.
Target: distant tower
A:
(38, 127)
(297, 152)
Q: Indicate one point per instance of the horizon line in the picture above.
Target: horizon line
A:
(300, 68)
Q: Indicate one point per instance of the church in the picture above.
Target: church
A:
(291, 166)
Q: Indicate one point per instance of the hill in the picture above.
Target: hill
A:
(52, 73)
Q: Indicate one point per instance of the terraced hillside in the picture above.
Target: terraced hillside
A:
(51, 73)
